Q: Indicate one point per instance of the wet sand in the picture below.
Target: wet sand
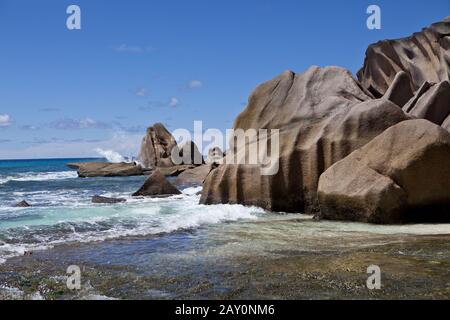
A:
(277, 258)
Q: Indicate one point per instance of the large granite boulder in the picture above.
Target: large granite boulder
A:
(431, 102)
(424, 56)
(187, 154)
(156, 186)
(400, 91)
(446, 124)
(106, 169)
(323, 115)
(194, 176)
(400, 176)
(156, 147)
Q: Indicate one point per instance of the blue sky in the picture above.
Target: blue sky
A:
(65, 93)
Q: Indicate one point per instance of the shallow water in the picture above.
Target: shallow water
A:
(176, 248)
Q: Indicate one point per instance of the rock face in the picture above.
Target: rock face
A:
(194, 176)
(106, 169)
(106, 200)
(446, 124)
(431, 102)
(424, 57)
(323, 115)
(215, 156)
(400, 90)
(22, 204)
(401, 176)
(156, 185)
(174, 171)
(188, 154)
(156, 147)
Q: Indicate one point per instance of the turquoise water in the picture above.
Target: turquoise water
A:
(62, 211)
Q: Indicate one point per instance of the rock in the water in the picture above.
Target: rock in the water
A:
(424, 57)
(156, 147)
(106, 200)
(432, 102)
(106, 169)
(323, 115)
(157, 185)
(215, 156)
(22, 204)
(187, 154)
(401, 176)
(194, 176)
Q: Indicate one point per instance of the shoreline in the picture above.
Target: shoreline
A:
(238, 260)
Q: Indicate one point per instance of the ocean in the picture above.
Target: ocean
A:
(62, 211)
(153, 248)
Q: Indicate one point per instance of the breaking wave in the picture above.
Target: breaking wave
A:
(38, 176)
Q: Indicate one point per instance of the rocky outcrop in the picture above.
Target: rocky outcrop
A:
(106, 169)
(22, 204)
(424, 57)
(106, 200)
(195, 176)
(323, 115)
(400, 176)
(446, 124)
(174, 171)
(187, 154)
(400, 90)
(156, 186)
(431, 102)
(156, 147)
(215, 156)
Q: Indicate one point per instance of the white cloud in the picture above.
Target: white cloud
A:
(125, 48)
(142, 92)
(85, 123)
(194, 84)
(5, 120)
(121, 142)
(174, 102)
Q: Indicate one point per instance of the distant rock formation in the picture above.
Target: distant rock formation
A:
(156, 147)
(323, 115)
(188, 154)
(106, 169)
(401, 176)
(424, 56)
(156, 185)
(106, 200)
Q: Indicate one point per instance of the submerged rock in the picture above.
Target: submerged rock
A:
(156, 185)
(323, 115)
(401, 176)
(106, 200)
(22, 204)
(156, 147)
(106, 169)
